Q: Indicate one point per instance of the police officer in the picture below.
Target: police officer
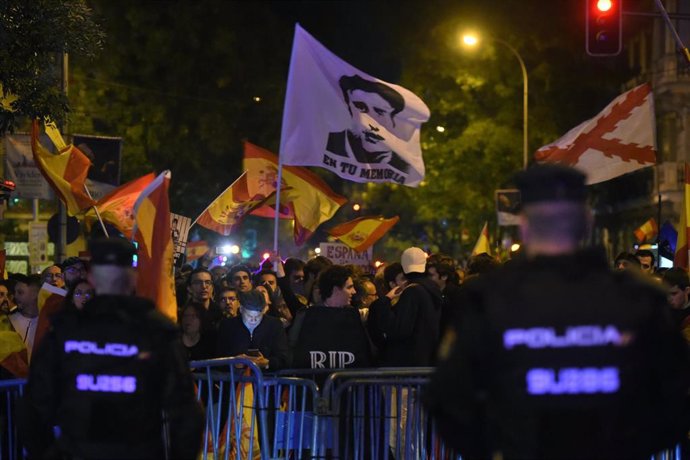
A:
(105, 377)
(555, 356)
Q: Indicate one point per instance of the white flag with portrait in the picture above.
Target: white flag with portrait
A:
(342, 119)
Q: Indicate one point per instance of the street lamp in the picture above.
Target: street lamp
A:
(473, 40)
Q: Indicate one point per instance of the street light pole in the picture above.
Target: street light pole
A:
(471, 41)
(525, 93)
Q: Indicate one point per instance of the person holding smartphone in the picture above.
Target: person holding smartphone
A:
(253, 335)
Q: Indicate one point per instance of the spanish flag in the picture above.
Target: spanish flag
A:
(647, 231)
(152, 232)
(228, 210)
(13, 354)
(50, 301)
(310, 199)
(117, 207)
(196, 250)
(65, 172)
(482, 245)
(363, 232)
(681, 257)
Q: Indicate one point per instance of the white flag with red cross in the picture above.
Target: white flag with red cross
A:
(619, 140)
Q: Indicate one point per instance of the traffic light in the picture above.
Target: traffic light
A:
(604, 29)
(6, 188)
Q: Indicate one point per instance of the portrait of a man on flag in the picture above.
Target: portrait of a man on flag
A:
(342, 119)
(372, 106)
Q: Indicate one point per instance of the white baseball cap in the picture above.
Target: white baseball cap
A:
(413, 260)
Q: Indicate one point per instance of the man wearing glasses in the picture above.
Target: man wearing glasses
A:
(53, 275)
(73, 270)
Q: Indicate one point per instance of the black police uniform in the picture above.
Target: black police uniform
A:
(558, 357)
(105, 376)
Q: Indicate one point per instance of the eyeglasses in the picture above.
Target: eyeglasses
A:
(75, 268)
(228, 299)
(202, 282)
(86, 294)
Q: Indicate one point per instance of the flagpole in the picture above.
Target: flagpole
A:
(212, 201)
(288, 99)
(276, 217)
(98, 214)
(658, 211)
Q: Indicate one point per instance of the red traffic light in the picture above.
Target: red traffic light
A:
(604, 5)
(604, 27)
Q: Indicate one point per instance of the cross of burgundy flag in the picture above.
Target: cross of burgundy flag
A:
(619, 140)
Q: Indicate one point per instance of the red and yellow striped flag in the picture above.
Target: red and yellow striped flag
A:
(647, 231)
(117, 207)
(681, 256)
(482, 245)
(363, 232)
(152, 231)
(50, 301)
(13, 354)
(228, 210)
(311, 200)
(196, 250)
(65, 172)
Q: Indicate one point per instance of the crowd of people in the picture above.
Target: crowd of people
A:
(528, 352)
(280, 313)
(316, 314)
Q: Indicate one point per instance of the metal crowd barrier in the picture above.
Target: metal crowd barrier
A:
(10, 392)
(372, 414)
(377, 414)
(232, 393)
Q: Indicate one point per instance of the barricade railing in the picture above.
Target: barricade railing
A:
(232, 393)
(10, 392)
(377, 413)
(294, 416)
(357, 414)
